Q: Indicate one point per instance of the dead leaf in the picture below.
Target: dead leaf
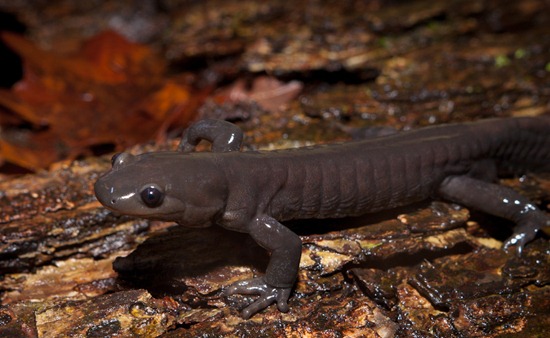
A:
(110, 91)
(266, 91)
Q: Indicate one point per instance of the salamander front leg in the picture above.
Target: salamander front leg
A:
(500, 201)
(275, 287)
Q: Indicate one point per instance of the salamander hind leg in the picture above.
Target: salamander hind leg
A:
(500, 201)
(223, 135)
(276, 286)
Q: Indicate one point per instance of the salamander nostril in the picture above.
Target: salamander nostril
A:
(113, 201)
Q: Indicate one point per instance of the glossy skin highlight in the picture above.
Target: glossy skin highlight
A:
(252, 192)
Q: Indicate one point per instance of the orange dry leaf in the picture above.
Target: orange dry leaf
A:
(166, 98)
(109, 92)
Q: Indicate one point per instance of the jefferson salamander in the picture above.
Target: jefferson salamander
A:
(252, 192)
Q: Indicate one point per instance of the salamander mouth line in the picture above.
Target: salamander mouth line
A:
(153, 216)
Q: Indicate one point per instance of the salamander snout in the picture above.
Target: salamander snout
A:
(104, 193)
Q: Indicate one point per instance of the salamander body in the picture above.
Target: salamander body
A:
(253, 191)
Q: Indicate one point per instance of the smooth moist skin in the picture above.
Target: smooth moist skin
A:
(253, 192)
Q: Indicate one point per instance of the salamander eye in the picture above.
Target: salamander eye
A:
(152, 196)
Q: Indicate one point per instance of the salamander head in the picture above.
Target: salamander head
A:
(168, 186)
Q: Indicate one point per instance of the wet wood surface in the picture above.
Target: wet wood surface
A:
(305, 73)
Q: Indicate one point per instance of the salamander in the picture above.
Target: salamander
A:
(253, 191)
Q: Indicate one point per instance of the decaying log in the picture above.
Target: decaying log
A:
(71, 268)
(74, 269)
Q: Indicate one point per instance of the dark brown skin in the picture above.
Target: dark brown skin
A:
(252, 192)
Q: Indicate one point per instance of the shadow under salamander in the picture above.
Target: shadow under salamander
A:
(163, 262)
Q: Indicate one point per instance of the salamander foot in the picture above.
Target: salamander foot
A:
(268, 295)
(525, 232)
